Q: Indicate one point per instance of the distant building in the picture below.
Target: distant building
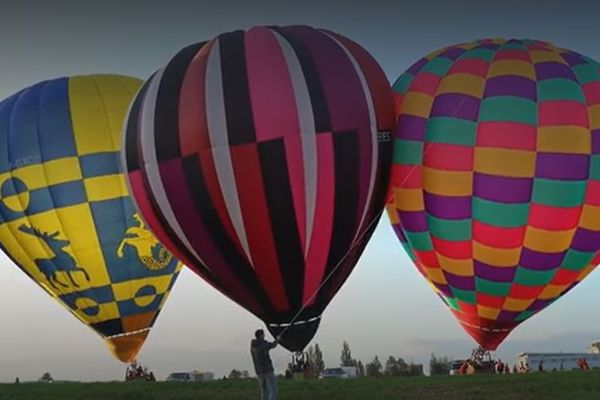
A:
(594, 348)
(560, 361)
(200, 376)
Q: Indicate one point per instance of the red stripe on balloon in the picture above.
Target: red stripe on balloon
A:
(490, 301)
(592, 93)
(253, 204)
(562, 112)
(460, 250)
(448, 157)
(507, 135)
(553, 218)
(525, 292)
(498, 237)
(592, 194)
(193, 129)
(318, 249)
(271, 92)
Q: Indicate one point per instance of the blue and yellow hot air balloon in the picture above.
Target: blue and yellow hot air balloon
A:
(66, 218)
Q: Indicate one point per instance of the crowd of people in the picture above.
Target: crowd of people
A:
(135, 371)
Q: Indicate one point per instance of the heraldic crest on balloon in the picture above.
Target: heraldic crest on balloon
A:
(66, 218)
(153, 255)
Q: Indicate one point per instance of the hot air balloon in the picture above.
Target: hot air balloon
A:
(496, 177)
(255, 158)
(66, 218)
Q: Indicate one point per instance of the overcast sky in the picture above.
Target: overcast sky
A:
(385, 307)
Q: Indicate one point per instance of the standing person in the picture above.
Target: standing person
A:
(263, 366)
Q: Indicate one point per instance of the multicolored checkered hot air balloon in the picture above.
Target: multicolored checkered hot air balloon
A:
(255, 158)
(496, 177)
(66, 218)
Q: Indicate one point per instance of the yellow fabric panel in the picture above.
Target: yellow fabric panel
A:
(540, 56)
(106, 312)
(594, 115)
(78, 225)
(97, 123)
(126, 290)
(409, 199)
(392, 214)
(447, 183)
(131, 84)
(564, 139)
(512, 67)
(105, 187)
(23, 248)
(552, 291)
(590, 217)
(585, 272)
(496, 257)
(487, 312)
(462, 83)
(511, 304)
(417, 104)
(548, 241)
(456, 267)
(49, 173)
(504, 162)
(435, 275)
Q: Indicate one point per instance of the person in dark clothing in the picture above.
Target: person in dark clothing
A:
(263, 366)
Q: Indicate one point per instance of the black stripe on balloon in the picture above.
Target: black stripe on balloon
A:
(222, 241)
(344, 270)
(316, 92)
(280, 203)
(345, 213)
(236, 93)
(133, 127)
(166, 115)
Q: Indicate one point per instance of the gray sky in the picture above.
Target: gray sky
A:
(385, 308)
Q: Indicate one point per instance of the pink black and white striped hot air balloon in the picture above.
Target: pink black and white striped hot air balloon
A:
(256, 159)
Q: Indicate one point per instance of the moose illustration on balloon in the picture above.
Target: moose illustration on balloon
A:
(61, 262)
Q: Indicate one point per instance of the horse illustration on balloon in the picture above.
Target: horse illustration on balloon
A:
(153, 255)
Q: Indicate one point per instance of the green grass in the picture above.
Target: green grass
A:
(545, 386)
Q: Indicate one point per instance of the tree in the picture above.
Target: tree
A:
(361, 369)
(319, 364)
(439, 365)
(310, 355)
(374, 368)
(46, 377)
(346, 357)
(235, 374)
(391, 367)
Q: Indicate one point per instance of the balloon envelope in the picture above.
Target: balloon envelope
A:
(66, 218)
(496, 177)
(255, 158)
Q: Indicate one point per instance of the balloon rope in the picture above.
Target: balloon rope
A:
(356, 242)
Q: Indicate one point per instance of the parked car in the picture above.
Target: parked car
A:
(333, 373)
(340, 373)
(179, 377)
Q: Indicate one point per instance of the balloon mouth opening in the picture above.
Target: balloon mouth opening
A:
(126, 346)
(295, 336)
(488, 334)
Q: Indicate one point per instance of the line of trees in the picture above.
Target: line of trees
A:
(394, 367)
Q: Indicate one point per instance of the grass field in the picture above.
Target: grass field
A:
(544, 386)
